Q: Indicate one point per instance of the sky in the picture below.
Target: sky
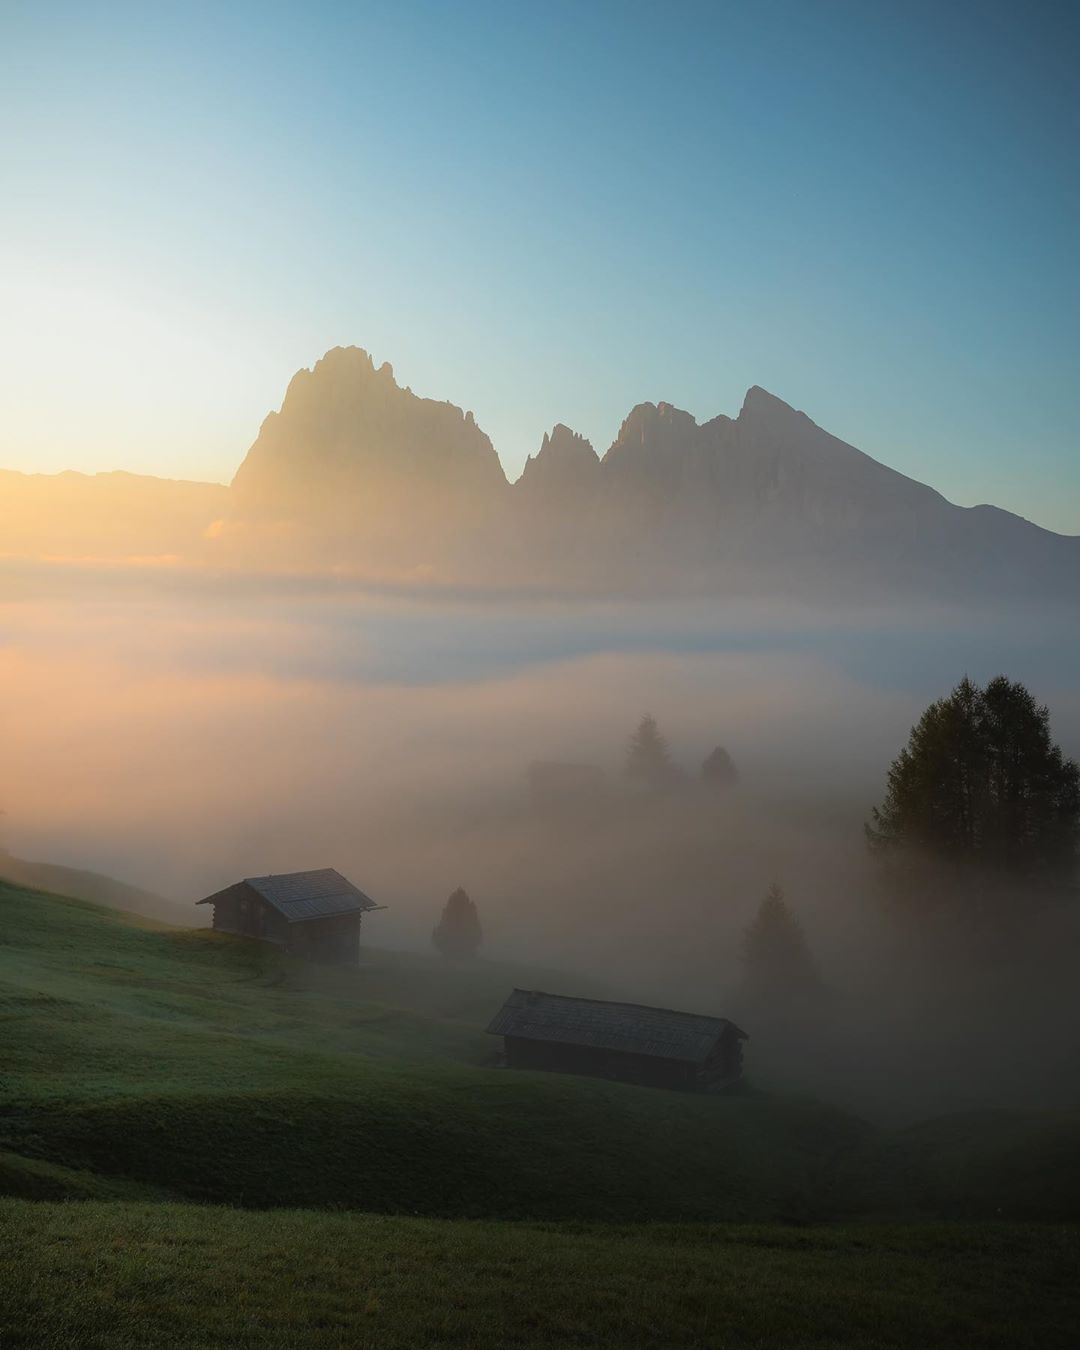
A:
(547, 212)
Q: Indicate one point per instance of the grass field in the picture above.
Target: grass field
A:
(144, 1068)
(145, 1275)
(209, 1068)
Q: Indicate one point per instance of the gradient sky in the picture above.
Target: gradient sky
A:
(547, 212)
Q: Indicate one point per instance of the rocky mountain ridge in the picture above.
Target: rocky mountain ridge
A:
(356, 472)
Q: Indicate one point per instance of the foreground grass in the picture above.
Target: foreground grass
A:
(136, 1276)
(141, 1062)
(196, 1066)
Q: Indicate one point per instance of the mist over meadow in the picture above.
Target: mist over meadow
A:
(539, 676)
(181, 733)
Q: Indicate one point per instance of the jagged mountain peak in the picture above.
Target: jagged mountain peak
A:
(797, 454)
(651, 421)
(347, 429)
(344, 375)
(758, 404)
(765, 499)
(566, 461)
(564, 442)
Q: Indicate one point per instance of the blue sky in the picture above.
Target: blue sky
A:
(547, 212)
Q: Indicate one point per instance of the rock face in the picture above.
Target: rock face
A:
(356, 472)
(355, 469)
(565, 466)
(348, 440)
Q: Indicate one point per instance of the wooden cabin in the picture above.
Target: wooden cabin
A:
(311, 914)
(654, 1046)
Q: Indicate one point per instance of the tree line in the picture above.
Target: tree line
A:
(980, 794)
(649, 762)
(980, 787)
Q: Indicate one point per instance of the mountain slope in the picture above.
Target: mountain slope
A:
(766, 503)
(362, 468)
(355, 472)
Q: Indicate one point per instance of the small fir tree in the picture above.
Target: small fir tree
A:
(457, 935)
(718, 769)
(648, 759)
(777, 964)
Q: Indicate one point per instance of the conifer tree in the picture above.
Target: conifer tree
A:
(648, 759)
(458, 935)
(777, 964)
(981, 782)
(718, 769)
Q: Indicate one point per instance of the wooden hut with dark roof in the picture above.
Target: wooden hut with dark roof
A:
(655, 1046)
(311, 914)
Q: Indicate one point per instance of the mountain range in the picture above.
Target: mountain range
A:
(356, 472)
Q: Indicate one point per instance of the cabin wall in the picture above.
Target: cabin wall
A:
(335, 941)
(241, 910)
(552, 1057)
(246, 914)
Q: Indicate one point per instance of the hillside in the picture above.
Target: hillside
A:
(82, 884)
(146, 1068)
(215, 1069)
(190, 1064)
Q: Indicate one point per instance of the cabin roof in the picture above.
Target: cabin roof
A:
(299, 896)
(629, 1027)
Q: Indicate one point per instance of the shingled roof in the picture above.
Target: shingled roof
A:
(629, 1027)
(298, 896)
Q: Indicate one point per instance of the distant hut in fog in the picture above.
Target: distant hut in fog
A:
(657, 1047)
(311, 914)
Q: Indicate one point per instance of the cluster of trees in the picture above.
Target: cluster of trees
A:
(649, 761)
(980, 785)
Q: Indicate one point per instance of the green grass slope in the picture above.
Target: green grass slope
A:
(96, 887)
(221, 1070)
(147, 1062)
(138, 1277)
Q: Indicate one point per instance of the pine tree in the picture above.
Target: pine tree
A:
(777, 965)
(648, 759)
(718, 769)
(981, 782)
(458, 935)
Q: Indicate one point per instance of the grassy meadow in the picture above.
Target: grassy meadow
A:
(205, 1142)
(140, 1276)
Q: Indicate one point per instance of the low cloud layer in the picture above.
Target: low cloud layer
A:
(180, 738)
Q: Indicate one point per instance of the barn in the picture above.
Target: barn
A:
(658, 1047)
(311, 914)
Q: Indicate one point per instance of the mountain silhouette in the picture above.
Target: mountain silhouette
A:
(356, 472)
(349, 437)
